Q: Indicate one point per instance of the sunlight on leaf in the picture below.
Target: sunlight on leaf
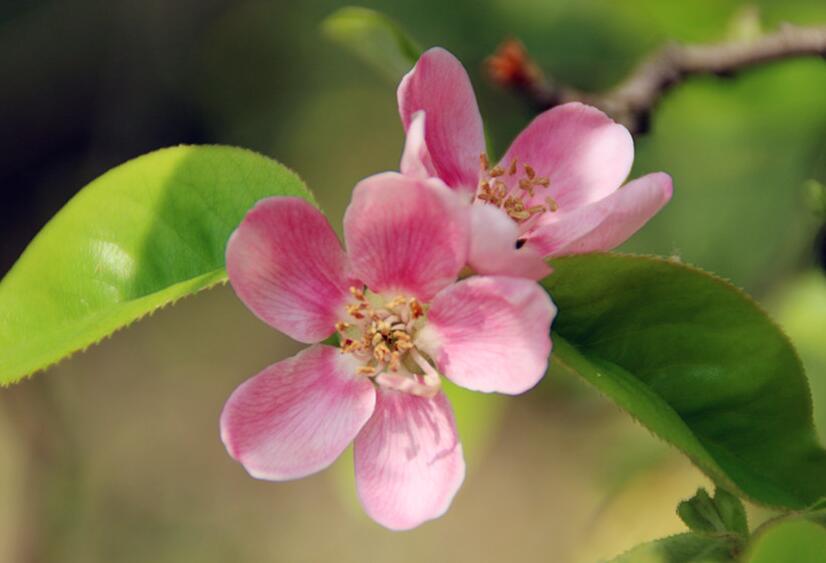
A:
(141, 236)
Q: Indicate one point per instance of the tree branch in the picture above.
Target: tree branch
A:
(632, 100)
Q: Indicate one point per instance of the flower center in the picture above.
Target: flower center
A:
(381, 332)
(518, 200)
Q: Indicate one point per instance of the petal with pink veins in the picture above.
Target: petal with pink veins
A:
(583, 153)
(490, 333)
(440, 86)
(286, 264)
(406, 235)
(493, 246)
(606, 224)
(297, 416)
(408, 459)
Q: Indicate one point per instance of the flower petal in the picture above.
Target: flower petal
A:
(439, 85)
(286, 264)
(297, 416)
(408, 458)
(405, 234)
(490, 333)
(581, 150)
(605, 224)
(416, 160)
(493, 246)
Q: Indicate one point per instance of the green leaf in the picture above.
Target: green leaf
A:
(700, 514)
(144, 234)
(696, 361)
(732, 512)
(374, 38)
(791, 541)
(723, 514)
(791, 538)
(682, 548)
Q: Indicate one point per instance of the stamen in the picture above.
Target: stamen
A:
(415, 308)
(385, 334)
(354, 311)
(512, 168)
(406, 384)
(431, 376)
(519, 205)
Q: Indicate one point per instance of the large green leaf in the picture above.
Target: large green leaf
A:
(144, 234)
(374, 38)
(792, 541)
(682, 548)
(696, 361)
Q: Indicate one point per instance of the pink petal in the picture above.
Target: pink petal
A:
(490, 333)
(605, 224)
(439, 85)
(286, 264)
(416, 160)
(297, 416)
(581, 150)
(408, 458)
(406, 235)
(493, 246)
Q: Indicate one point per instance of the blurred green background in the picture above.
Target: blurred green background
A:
(114, 455)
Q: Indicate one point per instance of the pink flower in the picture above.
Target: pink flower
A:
(555, 192)
(402, 319)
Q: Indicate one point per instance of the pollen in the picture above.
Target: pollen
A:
(516, 197)
(380, 331)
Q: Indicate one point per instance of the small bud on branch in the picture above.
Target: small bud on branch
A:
(631, 101)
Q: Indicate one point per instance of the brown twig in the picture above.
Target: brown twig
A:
(631, 101)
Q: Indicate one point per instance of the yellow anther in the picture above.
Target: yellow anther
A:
(381, 352)
(519, 215)
(385, 332)
(484, 163)
(355, 311)
(415, 308)
(397, 301)
(350, 345)
(512, 168)
(518, 204)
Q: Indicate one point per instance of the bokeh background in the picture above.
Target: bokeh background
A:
(114, 455)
